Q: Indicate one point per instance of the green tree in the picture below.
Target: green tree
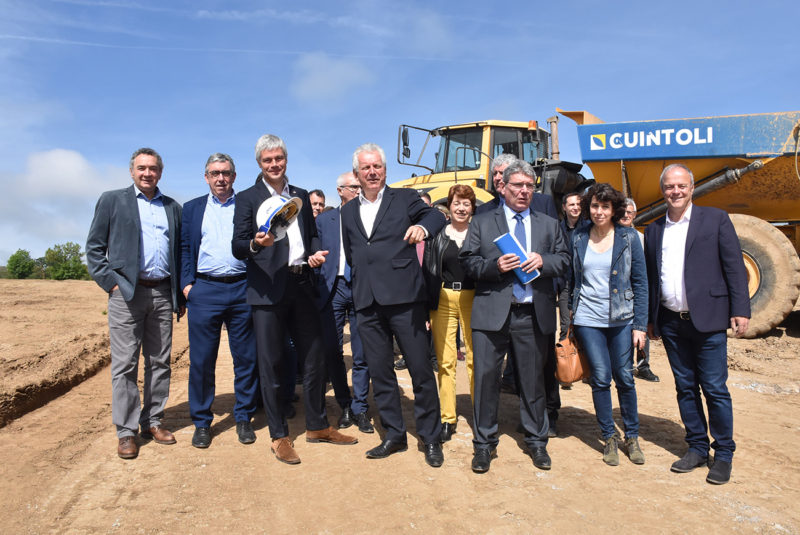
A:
(20, 264)
(63, 262)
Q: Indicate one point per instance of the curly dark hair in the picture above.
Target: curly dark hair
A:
(604, 193)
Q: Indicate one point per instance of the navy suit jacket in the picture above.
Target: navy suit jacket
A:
(268, 269)
(191, 235)
(539, 203)
(494, 290)
(112, 247)
(713, 269)
(328, 231)
(384, 268)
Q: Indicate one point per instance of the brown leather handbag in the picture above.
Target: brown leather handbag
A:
(571, 363)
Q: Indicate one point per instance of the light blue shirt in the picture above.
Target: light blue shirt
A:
(154, 240)
(594, 303)
(512, 224)
(214, 256)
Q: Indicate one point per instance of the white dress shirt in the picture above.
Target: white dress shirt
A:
(673, 251)
(369, 210)
(297, 251)
(512, 224)
(342, 260)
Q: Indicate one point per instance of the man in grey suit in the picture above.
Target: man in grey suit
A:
(133, 253)
(509, 317)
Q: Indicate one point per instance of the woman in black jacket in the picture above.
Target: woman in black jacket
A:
(450, 295)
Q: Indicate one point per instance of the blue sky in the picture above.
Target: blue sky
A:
(86, 82)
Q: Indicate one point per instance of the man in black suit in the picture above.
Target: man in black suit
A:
(335, 301)
(280, 289)
(510, 317)
(697, 289)
(379, 232)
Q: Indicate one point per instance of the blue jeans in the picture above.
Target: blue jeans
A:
(700, 360)
(610, 354)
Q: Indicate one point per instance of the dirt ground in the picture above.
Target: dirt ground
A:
(61, 473)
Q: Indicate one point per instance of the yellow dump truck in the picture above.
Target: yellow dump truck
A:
(746, 164)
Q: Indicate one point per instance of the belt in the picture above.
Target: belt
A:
(458, 286)
(149, 283)
(522, 306)
(227, 279)
(299, 269)
(682, 315)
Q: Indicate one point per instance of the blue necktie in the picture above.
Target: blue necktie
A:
(347, 272)
(519, 233)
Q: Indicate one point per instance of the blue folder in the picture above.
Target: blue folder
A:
(507, 243)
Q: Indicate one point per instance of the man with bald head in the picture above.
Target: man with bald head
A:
(335, 301)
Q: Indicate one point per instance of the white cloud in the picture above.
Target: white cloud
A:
(52, 200)
(319, 79)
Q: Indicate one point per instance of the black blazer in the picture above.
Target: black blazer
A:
(267, 270)
(716, 280)
(328, 231)
(384, 268)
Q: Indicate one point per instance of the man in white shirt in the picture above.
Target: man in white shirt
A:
(697, 289)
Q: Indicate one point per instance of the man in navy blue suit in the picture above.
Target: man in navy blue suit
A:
(215, 285)
(335, 301)
(380, 231)
(539, 203)
(697, 289)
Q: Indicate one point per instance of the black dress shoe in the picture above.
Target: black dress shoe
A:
(447, 431)
(688, 462)
(347, 418)
(541, 459)
(201, 438)
(720, 472)
(646, 374)
(245, 432)
(386, 448)
(433, 454)
(363, 423)
(400, 364)
(481, 460)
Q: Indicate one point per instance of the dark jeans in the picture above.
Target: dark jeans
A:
(610, 354)
(700, 360)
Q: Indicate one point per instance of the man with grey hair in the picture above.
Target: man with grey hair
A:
(379, 231)
(697, 289)
(215, 286)
(511, 317)
(280, 290)
(133, 252)
(642, 369)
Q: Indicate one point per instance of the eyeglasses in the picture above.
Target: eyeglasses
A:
(354, 189)
(216, 173)
(520, 185)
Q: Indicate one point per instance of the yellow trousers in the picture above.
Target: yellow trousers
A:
(454, 307)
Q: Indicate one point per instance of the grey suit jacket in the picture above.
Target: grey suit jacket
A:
(113, 245)
(493, 290)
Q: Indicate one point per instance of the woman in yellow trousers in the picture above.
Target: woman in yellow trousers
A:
(450, 300)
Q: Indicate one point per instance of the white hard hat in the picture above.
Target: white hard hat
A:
(277, 213)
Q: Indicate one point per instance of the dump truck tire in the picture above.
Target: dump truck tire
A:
(773, 272)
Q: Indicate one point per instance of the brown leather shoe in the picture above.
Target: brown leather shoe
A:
(284, 451)
(331, 435)
(160, 434)
(127, 448)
